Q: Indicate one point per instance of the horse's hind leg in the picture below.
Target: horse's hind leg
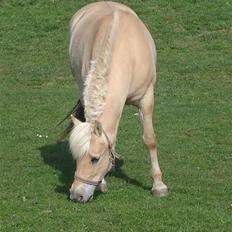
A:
(146, 109)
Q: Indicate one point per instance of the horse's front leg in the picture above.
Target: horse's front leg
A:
(103, 186)
(159, 189)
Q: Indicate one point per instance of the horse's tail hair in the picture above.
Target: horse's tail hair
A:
(78, 112)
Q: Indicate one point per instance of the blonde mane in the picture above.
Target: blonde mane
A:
(94, 94)
(79, 139)
(95, 86)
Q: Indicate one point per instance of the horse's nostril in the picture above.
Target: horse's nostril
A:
(76, 198)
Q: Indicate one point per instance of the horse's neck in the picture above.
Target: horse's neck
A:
(110, 119)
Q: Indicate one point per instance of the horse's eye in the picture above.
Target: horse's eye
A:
(94, 160)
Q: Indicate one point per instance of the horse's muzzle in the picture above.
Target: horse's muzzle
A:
(83, 193)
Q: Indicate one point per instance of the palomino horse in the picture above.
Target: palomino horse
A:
(113, 58)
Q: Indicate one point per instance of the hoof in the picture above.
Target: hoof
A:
(103, 188)
(159, 192)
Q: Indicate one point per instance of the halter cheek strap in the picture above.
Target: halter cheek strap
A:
(113, 155)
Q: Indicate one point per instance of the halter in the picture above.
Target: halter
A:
(113, 155)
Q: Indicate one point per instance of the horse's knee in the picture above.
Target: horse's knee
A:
(150, 142)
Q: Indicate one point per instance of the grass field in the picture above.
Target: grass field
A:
(192, 119)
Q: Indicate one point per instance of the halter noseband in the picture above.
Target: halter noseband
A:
(113, 155)
(89, 182)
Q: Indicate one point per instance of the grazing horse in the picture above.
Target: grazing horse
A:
(113, 58)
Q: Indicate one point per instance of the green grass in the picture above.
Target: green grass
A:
(192, 119)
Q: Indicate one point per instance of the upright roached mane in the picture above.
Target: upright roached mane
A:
(96, 82)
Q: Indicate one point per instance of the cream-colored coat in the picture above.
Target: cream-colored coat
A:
(113, 58)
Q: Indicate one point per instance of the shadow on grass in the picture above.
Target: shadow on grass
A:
(118, 172)
(59, 157)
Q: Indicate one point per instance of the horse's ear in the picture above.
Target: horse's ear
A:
(75, 120)
(97, 128)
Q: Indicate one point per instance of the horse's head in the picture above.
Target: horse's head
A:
(94, 155)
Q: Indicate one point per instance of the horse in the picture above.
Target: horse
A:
(113, 59)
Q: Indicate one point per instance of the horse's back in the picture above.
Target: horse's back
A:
(133, 51)
(99, 7)
(85, 36)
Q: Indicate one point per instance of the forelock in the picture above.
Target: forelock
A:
(79, 140)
